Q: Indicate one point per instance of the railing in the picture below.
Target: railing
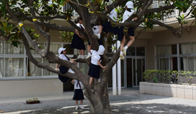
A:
(66, 7)
(172, 17)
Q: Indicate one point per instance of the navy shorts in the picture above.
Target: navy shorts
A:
(130, 32)
(94, 71)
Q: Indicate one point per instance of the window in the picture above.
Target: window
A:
(168, 58)
(15, 63)
(131, 51)
(140, 51)
(185, 48)
(136, 51)
(166, 50)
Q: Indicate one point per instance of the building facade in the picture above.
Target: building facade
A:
(155, 49)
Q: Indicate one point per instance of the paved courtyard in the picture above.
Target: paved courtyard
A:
(130, 102)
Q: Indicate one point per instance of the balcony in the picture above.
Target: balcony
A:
(66, 7)
(172, 18)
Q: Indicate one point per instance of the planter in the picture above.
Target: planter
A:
(142, 87)
(188, 92)
(32, 102)
(194, 92)
(180, 91)
(166, 90)
(159, 89)
(171, 90)
(174, 90)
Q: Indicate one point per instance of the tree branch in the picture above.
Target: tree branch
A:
(31, 58)
(43, 33)
(57, 27)
(173, 30)
(148, 11)
(145, 7)
(143, 30)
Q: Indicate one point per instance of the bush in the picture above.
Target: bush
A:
(162, 76)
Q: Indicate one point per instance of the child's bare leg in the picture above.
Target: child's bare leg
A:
(89, 48)
(132, 39)
(89, 53)
(81, 54)
(100, 29)
(90, 80)
(81, 102)
(122, 43)
(121, 48)
(82, 51)
(76, 102)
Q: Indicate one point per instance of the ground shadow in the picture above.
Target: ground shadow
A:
(126, 108)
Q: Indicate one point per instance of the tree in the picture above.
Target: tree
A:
(40, 14)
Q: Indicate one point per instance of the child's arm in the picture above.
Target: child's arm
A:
(72, 81)
(100, 29)
(57, 67)
(101, 65)
(78, 34)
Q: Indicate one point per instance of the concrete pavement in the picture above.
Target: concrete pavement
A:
(130, 102)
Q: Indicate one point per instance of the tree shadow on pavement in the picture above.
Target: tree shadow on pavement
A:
(126, 108)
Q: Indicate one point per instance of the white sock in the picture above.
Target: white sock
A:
(89, 53)
(125, 47)
(121, 53)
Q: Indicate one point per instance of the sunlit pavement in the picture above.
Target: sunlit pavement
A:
(130, 102)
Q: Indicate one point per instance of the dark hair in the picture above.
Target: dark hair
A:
(101, 57)
(129, 9)
(77, 20)
(62, 51)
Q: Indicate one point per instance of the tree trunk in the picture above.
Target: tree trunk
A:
(103, 107)
(100, 98)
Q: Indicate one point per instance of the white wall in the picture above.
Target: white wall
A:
(30, 88)
(166, 37)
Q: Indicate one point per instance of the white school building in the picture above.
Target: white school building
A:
(154, 49)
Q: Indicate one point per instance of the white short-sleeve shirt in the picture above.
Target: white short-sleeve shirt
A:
(63, 57)
(113, 15)
(71, 71)
(95, 57)
(127, 14)
(80, 25)
(77, 85)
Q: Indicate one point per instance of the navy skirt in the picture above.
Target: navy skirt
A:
(94, 71)
(115, 30)
(78, 94)
(77, 42)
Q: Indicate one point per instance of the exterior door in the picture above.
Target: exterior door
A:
(140, 67)
(135, 69)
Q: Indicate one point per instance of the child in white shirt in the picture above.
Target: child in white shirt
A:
(78, 93)
(128, 12)
(94, 70)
